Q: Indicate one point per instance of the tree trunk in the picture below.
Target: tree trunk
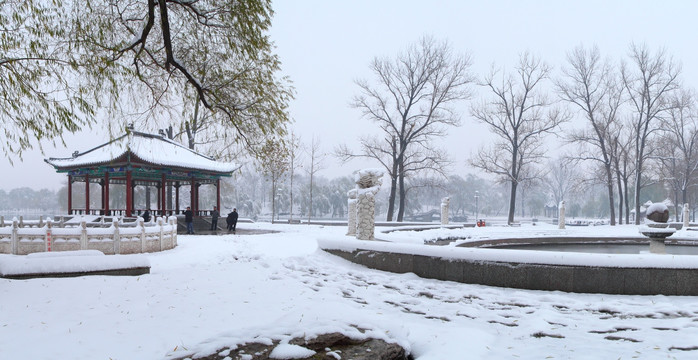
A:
(609, 183)
(684, 200)
(638, 177)
(627, 202)
(676, 205)
(273, 199)
(512, 202)
(401, 187)
(620, 198)
(310, 205)
(391, 198)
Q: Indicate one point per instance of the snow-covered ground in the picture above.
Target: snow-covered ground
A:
(212, 292)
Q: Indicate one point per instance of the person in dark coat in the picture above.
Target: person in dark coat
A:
(146, 216)
(214, 218)
(232, 220)
(189, 219)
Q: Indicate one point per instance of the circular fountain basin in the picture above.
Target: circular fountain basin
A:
(505, 263)
(604, 248)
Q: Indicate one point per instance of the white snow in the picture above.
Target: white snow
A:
(290, 351)
(68, 262)
(212, 293)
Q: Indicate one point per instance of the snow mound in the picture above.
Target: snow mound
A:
(290, 351)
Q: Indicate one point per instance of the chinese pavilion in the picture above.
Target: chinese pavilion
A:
(140, 159)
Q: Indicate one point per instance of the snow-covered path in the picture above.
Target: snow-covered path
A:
(212, 292)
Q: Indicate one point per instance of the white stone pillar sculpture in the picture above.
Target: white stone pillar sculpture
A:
(685, 216)
(444, 210)
(368, 182)
(351, 206)
(561, 219)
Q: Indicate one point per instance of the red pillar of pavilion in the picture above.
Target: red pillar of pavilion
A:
(106, 193)
(129, 194)
(177, 197)
(193, 196)
(163, 201)
(70, 194)
(218, 194)
(87, 194)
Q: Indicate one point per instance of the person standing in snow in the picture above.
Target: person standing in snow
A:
(214, 218)
(146, 216)
(189, 219)
(232, 220)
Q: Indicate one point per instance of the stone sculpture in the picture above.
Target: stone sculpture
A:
(561, 219)
(368, 182)
(444, 210)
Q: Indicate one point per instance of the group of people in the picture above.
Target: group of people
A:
(231, 220)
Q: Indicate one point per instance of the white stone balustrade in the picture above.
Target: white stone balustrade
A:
(116, 238)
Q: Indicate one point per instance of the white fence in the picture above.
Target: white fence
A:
(115, 238)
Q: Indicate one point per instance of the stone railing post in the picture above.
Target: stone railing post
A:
(14, 238)
(162, 230)
(561, 218)
(83, 234)
(49, 233)
(444, 210)
(21, 221)
(41, 222)
(369, 182)
(141, 225)
(173, 222)
(117, 232)
(2, 221)
(685, 216)
(351, 212)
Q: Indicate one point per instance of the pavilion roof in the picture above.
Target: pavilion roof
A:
(150, 148)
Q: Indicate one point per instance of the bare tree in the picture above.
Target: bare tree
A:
(678, 146)
(519, 115)
(316, 163)
(623, 166)
(592, 86)
(293, 157)
(561, 179)
(649, 81)
(274, 163)
(411, 104)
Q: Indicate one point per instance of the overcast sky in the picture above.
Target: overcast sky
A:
(326, 45)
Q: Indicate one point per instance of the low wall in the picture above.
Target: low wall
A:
(112, 239)
(478, 267)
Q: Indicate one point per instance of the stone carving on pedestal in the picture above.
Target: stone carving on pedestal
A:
(351, 206)
(657, 227)
(444, 210)
(368, 183)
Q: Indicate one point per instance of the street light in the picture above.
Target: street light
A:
(477, 196)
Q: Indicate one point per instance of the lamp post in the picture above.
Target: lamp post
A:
(477, 197)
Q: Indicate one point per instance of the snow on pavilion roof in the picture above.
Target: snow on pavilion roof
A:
(154, 149)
